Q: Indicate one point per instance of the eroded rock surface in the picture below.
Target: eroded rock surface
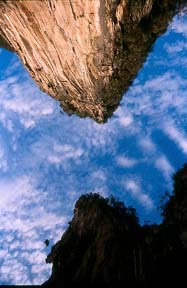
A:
(84, 53)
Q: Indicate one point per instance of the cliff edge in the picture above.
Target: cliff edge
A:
(105, 245)
(84, 53)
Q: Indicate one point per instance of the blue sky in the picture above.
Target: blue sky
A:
(47, 159)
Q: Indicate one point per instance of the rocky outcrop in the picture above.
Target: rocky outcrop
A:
(90, 251)
(84, 53)
(105, 245)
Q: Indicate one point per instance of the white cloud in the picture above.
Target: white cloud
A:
(7, 123)
(95, 136)
(160, 83)
(99, 175)
(24, 231)
(176, 47)
(23, 192)
(97, 181)
(3, 160)
(24, 101)
(176, 135)
(126, 121)
(124, 117)
(160, 97)
(126, 162)
(49, 149)
(178, 62)
(64, 153)
(133, 187)
(147, 144)
(15, 272)
(164, 166)
(179, 25)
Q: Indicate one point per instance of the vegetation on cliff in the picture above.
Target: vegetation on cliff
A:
(105, 244)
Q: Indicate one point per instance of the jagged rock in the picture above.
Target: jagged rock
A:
(105, 245)
(84, 53)
(90, 251)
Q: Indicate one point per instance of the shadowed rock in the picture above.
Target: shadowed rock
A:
(105, 245)
(84, 53)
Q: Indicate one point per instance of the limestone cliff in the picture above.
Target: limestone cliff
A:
(105, 245)
(84, 53)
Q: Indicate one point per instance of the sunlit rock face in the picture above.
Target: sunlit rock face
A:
(84, 53)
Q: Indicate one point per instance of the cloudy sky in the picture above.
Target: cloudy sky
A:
(47, 159)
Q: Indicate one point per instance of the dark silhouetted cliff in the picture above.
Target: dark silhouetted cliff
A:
(84, 53)
(105, 245)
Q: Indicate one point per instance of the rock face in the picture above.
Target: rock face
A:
(90, 251)
(105, 245)
(84, 53)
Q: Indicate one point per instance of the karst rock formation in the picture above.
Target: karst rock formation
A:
(84, 53)
(105, 246)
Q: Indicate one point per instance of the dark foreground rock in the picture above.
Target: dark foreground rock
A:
(105, 245)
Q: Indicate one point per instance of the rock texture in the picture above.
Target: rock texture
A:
(105, 245)
(84, 53)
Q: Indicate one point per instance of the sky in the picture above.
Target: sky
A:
(48, 159)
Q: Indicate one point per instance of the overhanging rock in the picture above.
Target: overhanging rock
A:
(84, 53)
